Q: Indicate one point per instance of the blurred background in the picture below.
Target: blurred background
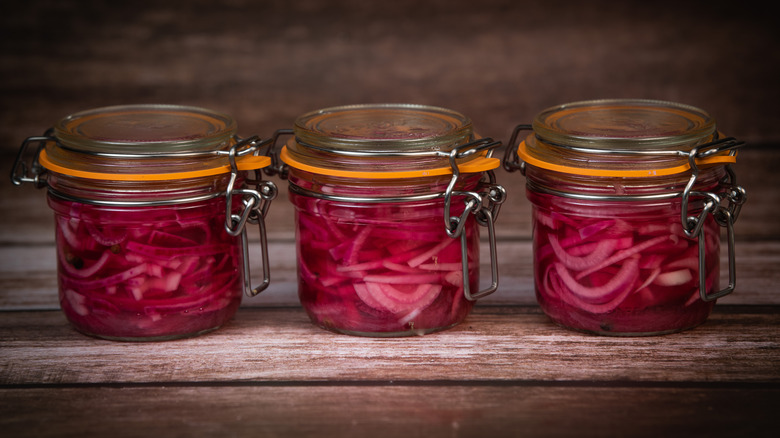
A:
(498, 61)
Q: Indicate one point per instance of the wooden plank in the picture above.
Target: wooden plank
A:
(737, 344)
(389, 411)
(316, 55)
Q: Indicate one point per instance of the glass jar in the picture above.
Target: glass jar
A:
(150, 206)
(628, 197)
(388, 200)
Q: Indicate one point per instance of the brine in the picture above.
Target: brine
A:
(146, 273)
(616, 266)
(381, 269)
(610, 268)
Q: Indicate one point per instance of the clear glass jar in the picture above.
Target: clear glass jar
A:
(150, 203)
(388, 200)
(628, 197)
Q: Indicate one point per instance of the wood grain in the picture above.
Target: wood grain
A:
(349, 410)
(500, 62)
(494, 344)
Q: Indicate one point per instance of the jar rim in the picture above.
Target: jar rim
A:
(526, 156)
(250, 162)
(481, 164)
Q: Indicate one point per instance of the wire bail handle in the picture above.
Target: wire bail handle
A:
(724, 215)
(32, 172)
(511, 161)
(484, 205)
(277, 167)
(255, 207)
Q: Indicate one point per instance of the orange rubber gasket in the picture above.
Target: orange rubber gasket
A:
(247, 162)
(480, 164)
(722, 158)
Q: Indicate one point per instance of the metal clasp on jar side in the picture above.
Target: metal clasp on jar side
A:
(277, 166)
(255, 206)
(724, 215)
(511, 161)
(31, 171)
(484, 205)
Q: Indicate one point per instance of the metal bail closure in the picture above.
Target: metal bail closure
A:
(725, 216)
(485, 215)
(511, 161)
(34, 172)
(277, 167)
(256, 202)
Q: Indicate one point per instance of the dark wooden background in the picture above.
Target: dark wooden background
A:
(498, 61)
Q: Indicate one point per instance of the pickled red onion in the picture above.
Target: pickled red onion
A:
(118, 268)
(387, 267)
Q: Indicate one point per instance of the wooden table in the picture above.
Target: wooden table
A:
(506, 371)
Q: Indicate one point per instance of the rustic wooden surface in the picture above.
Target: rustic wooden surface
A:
(507, 371)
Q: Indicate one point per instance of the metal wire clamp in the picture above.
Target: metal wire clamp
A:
(511, 161)
(255, 206)
(724, 215)
(34, 173)
(485, 206)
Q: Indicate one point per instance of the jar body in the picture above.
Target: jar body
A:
(380, 268)
(142, 273)
(620, 267)
(150, 207)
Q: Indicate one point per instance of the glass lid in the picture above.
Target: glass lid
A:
(619, 137)
(624, 124)
(145, 142)
(383, 141)
(383, 129)
(145, 129)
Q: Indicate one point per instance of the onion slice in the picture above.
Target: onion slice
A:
(624, 278)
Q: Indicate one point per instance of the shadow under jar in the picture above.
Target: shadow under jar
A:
(628, 200)
(150, 206)
(388, 201)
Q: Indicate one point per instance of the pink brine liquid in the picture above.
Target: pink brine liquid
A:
(612, 268)
(147, 273)
(387, 269)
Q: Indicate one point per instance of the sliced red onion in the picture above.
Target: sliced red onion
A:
(624, 278)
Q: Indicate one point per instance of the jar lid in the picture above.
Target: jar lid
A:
(382, 141)
(145, 142)
(620, 137)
